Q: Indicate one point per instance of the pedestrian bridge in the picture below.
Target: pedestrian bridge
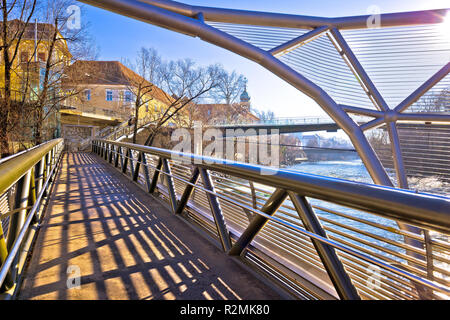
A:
(282, 125)
(128, 221)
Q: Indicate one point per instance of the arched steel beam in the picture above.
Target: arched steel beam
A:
(298, 21)
(176, 22)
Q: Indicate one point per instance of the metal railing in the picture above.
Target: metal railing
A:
(281, 121)
(320, 237)
(25, 180)
(119, 132)
(284, 121)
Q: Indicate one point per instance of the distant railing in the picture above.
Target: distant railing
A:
(24, 183)
(284, 121)
(279, 121)
(116, 112)
(320, 237)
(116, 133)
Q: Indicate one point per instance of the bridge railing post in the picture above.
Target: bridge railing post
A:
(270, 207)
(216, 210)
(334, 267)
(188, 191)
(170, 185)
(155, 177)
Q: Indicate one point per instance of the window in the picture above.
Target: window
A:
(24, 56)
(41, 56)
(128, 96)
(109, 95)
(41, 78)
(87, 94)
(146, 107)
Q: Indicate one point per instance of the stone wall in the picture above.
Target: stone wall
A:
(74, 134)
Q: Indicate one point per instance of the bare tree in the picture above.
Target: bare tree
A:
(58, 36)
(34, 72)
(229, 87)
(183, 83)
(434, 101)
(16, 16)
(141, 87)
(265, 116)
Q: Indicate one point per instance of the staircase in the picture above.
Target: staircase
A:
(115, 133)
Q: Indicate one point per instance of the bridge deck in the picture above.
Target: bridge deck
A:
(126, 244)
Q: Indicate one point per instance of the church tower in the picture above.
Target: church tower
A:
(245, 98)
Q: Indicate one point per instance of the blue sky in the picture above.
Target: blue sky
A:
(119, 37)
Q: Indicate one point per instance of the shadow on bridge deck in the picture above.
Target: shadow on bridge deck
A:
(126, 244)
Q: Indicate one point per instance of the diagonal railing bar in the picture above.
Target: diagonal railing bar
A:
(122, 160)
(155, 177)
(32, 193)
(292, 44)
(249, 214)
(111, 154)
(146, 173)
(106, 152)
(116, 157)
(137, 167)
(130, 161)
(188, 191)
(270, 207)
(170, 185)
(125, 160)
(336, 271)
(216, 210)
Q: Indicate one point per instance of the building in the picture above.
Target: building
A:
(217, 113)
(106, 97)
(41, 48)
(33, 52)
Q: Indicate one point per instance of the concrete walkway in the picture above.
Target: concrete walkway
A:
(125, 245)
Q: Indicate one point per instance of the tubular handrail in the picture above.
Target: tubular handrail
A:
(424, 210)
(12, 170)
(32, 173)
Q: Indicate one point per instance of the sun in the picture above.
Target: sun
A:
(445, 25)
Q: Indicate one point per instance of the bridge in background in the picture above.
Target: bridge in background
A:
(283, 125)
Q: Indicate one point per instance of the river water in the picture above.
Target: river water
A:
(355, 170)
(349, 170)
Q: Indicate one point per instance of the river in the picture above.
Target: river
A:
(356, 171)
